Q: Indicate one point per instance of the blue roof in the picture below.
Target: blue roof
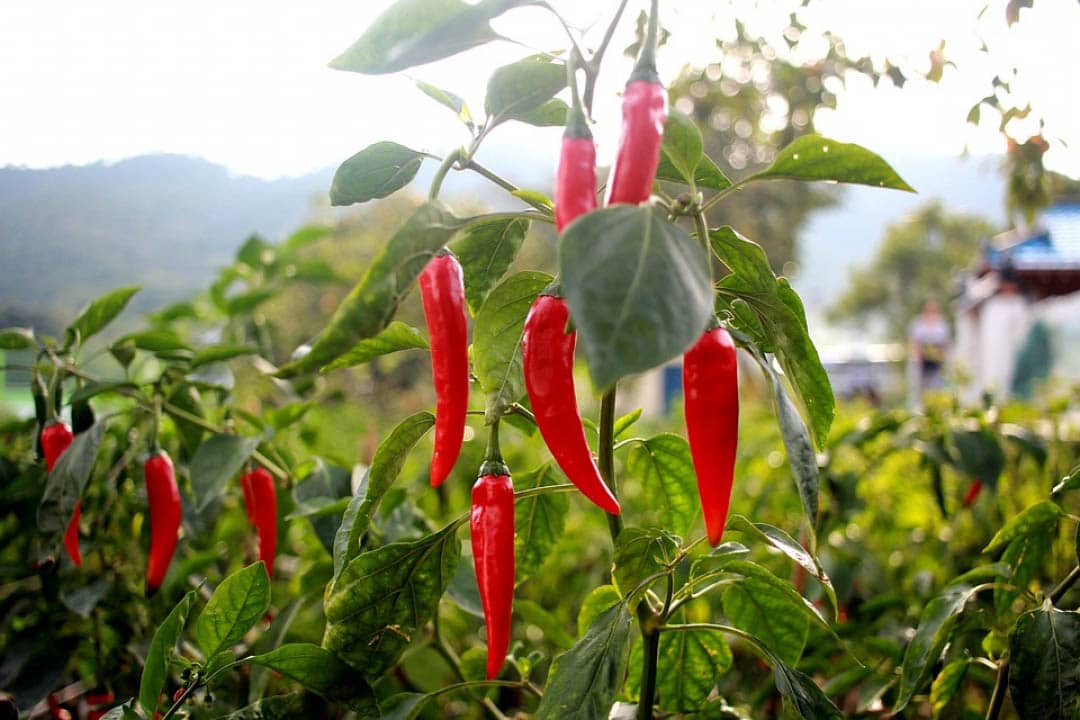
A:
(1053, 245)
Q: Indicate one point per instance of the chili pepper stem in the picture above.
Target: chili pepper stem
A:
(651, 639)
(440, 174)
(606, 455)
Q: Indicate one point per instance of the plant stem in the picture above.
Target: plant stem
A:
(650, 635)
(440, 174)
(1063, 587)
(606, 453)
(592, 68)
(997, 699)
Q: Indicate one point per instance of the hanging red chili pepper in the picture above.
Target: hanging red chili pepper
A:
(644, 111)
(711, 392)
(260, 501)
(442, 292)
(491, 526)
(972, 493)
(55, 439)
(163, 498)
(575, 176)
(547, 354)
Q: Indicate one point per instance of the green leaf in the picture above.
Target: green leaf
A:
(496, 352)
(624, 423)
(519, 88)
(156, 668)
(324, 482)
(370, 305)
(935, 626)
(81, 600)
(584, 680)
(782, 321)
(538, 521)
(947, 684)
(385, 468)
(99, 313)
(397, 336)
(780, 540)
(375, 172)
(1044, 672)
(801, 694)
(800, 450)
(155, 341)
(638, 289)
(465, 592)
(641, 553)
(239, 602)
(979, 454)
(812, 157)
(1024, 555)
(666, 470)
(303, 237)
(17, 338)
(245, 302)
(215, 462)
(219, 353)
(768, 608)
(485, 250)
(276, 707)
(447, 99)
(1039, 519)
(595, 603)
(554, 632)
(682, 145)
(690, 662)
(707, 174)
(288, 415)
(1069, 482)
(318, 670)
(66, 483)
(553, 113)
(414, 32)
(384, 596)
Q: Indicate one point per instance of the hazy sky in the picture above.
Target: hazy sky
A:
(245, 83)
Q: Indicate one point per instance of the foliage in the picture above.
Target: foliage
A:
(373, 607)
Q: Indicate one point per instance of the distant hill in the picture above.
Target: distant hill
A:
(161, 221)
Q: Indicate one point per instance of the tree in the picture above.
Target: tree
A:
(916, 261)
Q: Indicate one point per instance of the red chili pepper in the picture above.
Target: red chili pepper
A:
(442, 291)
(711, 391)
(973, 491)
(260, 500)
(547, 354)
(644, 111)
(491, 524)
(575, 177)
(163, 497)
(55, 439)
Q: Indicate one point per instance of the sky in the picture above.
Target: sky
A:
(245, 83)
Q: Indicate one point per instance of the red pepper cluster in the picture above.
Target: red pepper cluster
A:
(709, 369)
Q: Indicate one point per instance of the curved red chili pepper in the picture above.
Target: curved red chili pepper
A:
(575, 177)
(711, 391)
(972, 493)
(491, 525)
(644, 111)
(55, 439)
(547, 354)
(260, 498)
(163, 498)
(442, 292)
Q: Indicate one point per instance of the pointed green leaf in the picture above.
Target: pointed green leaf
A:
(519, 88)
(595, 603)
(538, 521)
(17, 338)
(384, 596)
(99, 313)
(385, 468)
(641, 553)
(1039, 519)
(447, 99)
(397, 336)
(414, 32)
(1044, 672)
(496, 351)
(239, 602)
(935, 627)
(638, 289)
(318, 670)
(215, 462)
(370, 305)
(682, 145)
(584, 680)
(485, 250)
(666, 470)
(375, 172)
(947, 684)
(690, 662)
(554, 632)
(66, 483)
(812, 157)
(162, 646)
(219, 353)
(768, 608)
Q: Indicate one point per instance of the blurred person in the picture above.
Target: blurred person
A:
(929, 337)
